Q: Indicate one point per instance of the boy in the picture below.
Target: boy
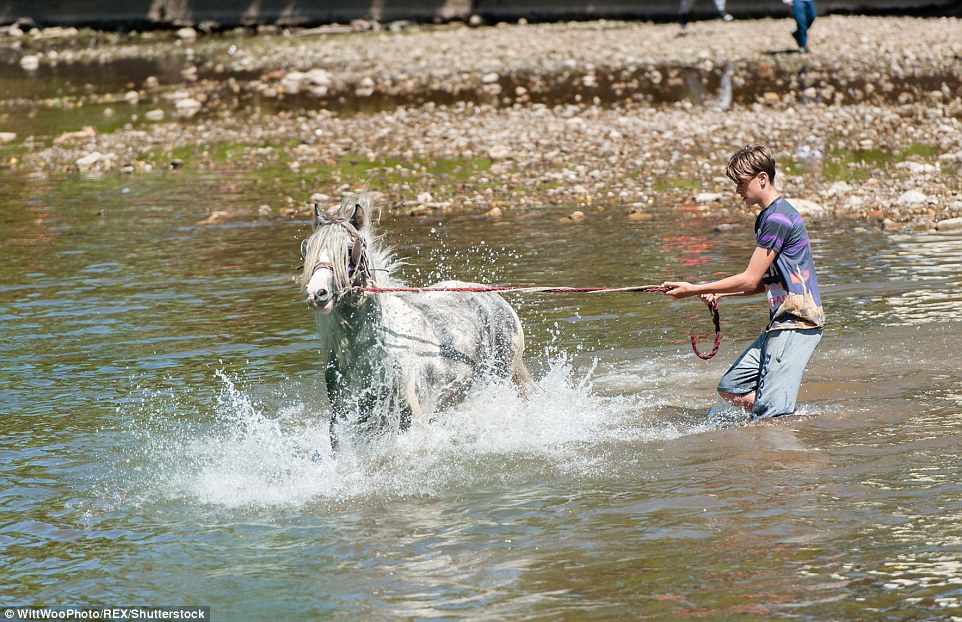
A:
(765, 379)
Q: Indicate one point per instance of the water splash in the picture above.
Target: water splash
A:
(249, 454)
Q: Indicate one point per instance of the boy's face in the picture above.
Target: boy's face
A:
(751, 189)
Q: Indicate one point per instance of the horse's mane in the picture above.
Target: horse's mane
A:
(357, 212)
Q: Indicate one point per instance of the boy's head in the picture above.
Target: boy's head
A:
(749, 162)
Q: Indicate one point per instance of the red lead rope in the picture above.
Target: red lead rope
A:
(558, 290)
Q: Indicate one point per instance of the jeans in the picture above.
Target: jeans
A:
(804, 12)
(772, 367)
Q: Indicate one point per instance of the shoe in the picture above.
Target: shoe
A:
(803, 49)
(727, 17)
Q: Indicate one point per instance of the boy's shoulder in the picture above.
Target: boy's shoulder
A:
(780, 206)
(779, 214)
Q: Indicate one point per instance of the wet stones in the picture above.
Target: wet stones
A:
(949, 224)
(548, 115)
(912, 197)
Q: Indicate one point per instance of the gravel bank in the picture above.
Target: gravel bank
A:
(589, 115)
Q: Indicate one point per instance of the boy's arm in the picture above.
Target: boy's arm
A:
(742, 284)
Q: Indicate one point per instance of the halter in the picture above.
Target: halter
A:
(358, 266)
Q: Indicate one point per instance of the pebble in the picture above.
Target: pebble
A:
(912, 197)
(89, 160)
(187, 108)
(807, 208)
(578, 152)
(949, 224)
(30, 62)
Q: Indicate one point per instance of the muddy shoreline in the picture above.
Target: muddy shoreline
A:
(592, 116)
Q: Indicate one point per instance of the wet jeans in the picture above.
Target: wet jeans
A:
(804, 12)
(772, 367)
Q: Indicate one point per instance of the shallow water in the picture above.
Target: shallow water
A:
(164, 436)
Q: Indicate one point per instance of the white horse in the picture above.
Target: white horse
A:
(394, 357)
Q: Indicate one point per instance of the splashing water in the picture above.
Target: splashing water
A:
(255, 456)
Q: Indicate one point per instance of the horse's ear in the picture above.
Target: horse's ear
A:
(363, 216)
(319, 217)
(358, 216)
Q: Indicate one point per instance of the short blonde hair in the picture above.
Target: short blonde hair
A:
(751, 161)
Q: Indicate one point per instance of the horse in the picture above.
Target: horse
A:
(392, 358)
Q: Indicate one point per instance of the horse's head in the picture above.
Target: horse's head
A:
(337, 256)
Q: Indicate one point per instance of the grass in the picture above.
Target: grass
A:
(860, 164)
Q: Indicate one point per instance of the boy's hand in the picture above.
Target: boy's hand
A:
(678, 289)
(709, 299)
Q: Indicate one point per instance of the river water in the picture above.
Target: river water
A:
(163, 435)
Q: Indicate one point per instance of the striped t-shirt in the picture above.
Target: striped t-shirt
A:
(790, 283)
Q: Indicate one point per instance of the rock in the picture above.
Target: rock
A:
(216, 217)
(499, 152)
(494, 213)
(66, 137)
(490, 78)
(425, 197)
(951, 157)
(30, 62)
(854, 202)
(912, 197)
(839, 188)
(703, 198)
(638, 216)
(265, 211)
(807, 208)
(291, 83)
(155, 115)
(7, 137)
(187, 34)
(951, 224)
(575, 216)
(318, 77)
(89, 160)
(727, 227)
(187, 108)
(916, 168)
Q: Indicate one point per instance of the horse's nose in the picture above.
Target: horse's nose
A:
(318, 298)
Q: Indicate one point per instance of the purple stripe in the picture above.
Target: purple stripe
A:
(765, 239)
(796, 246)
(781, 219)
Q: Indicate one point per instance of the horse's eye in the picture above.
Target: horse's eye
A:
(303, 249)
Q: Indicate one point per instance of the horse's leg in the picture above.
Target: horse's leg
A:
(410, 405)
(334, 396)
(522, 378)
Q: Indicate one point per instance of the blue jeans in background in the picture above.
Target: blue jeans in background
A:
(804, 12)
